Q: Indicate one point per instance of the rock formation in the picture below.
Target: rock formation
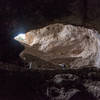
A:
(71, 45)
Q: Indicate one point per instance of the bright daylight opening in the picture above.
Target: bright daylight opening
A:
(20, 37)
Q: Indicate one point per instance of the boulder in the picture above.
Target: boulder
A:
(73, 46)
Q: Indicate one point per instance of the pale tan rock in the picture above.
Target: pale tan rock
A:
(74, 46)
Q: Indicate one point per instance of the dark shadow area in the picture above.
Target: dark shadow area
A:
(50, 85)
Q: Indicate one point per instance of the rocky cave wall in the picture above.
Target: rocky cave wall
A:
(21, 16)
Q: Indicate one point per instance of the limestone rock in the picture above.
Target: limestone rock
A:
(73, 46)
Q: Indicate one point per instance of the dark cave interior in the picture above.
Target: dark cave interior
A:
(23, 15)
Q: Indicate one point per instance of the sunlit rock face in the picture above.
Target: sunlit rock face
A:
(21, 38)
(73, 46)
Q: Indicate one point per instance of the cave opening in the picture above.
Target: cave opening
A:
(28, 73)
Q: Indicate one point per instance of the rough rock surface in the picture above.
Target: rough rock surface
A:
(73, 46)
(23, 15)
(70, 84)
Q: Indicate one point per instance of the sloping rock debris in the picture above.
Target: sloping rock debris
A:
(69, 84)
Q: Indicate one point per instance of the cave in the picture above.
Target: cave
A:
(24, 76)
